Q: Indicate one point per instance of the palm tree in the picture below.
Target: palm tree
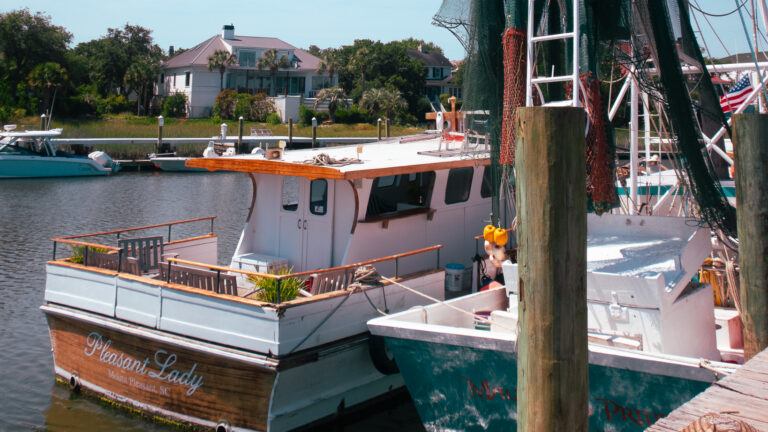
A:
(46, 77)
(335, 97)
(359, 63)
(269, 60)
(383, 100)
(220, 59)
(139, 77)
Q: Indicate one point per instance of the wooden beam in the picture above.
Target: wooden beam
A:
(750, 133)
(552, 367)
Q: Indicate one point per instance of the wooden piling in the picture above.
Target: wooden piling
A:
(552, 368)
(386, 126)
(750, 132)
(290, 133)
(379, 128)
(240, 148)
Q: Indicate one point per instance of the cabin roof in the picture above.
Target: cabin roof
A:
(379, 159)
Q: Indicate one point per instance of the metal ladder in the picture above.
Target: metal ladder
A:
(573, 77)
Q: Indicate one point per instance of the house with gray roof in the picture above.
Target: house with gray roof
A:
(439, 78)
(188, 71)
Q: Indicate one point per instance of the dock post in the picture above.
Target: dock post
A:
(240, 148)
(750, 132)
(290, 133)
(552, 367)
(386, 125)
(379, 124)
(42, 122)
(160, 123)
(314, 131)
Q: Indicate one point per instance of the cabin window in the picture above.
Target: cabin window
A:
(290, 193)
(186, 78)
(486, 189)
(318, 197)
(458, 185)
(391, 195)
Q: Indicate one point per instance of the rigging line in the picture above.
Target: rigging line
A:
(711, 27)
(751, 50)
(721, 15)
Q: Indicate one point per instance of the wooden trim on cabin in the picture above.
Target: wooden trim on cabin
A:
(313, 172)
(130, 367)
(266, 167)
(384, 219)
(357, 205)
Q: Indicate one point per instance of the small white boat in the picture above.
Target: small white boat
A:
(32, 154)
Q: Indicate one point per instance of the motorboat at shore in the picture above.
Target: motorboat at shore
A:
(30, 154)
(277, 339)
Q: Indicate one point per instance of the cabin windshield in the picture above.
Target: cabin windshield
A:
(394, 194)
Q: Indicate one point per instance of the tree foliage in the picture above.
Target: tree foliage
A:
(220, 60)
(232, 105)
(270, 61)
(383, 101)
(334, 97)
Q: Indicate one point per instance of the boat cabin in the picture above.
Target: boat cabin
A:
(28, 143)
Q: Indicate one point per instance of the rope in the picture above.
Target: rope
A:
(323, 159)
(349, 293)
(719, 15)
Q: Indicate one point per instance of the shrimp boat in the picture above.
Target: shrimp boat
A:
(151, 322)
(655, 338)
(28, 154)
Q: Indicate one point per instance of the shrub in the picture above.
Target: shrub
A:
(273, 118)
(351, 115)
(113, 104)
(11, 115)
(224, 107)
(289, 287)
(175, 105)
(232, 105)
(321, 117)
(305, 115)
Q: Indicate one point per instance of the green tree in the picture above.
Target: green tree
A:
(383, 100)
(140, 77)
(220, 60)
(335, 97)
(27, 40)
(270, 61)
(45, 78)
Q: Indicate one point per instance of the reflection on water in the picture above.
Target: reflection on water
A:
(32, 212)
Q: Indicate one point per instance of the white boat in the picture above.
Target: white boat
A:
(188, 340)
(655, 338)
(32, 154)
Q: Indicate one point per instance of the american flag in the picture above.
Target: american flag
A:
(737, 95)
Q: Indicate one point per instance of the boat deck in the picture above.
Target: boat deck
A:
(742, 395)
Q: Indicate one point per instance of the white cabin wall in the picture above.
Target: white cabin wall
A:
(344, 217)
(261, 233)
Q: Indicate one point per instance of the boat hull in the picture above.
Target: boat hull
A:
(39, 166)
(466, 388)
(175, 164)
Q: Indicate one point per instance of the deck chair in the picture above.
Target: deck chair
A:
(199, 278)
(331, 281)
(148, 250)
(109, 261)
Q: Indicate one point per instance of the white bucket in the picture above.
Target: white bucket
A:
(454, 274)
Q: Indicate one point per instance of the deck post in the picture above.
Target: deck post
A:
(552, 367)
(240, 148)
(750, 132)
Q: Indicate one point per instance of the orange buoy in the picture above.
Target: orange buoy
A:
(488, 232)
(500, 236)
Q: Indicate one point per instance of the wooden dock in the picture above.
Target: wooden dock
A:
(742, 395)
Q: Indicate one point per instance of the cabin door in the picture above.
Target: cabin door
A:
(306, 223)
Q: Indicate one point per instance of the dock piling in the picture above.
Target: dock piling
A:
(314, 131)
(552, 367)
(290, 133)
(750, 132)
(386, 125)
(240, 148)
(159, 145)
(379, 128)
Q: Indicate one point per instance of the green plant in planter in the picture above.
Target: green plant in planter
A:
(77, 252)
(289, 287)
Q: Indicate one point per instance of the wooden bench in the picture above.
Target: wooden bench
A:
(109, 261)
(199, 278)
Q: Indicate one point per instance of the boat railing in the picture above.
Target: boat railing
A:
(345, 269)
(170, 226)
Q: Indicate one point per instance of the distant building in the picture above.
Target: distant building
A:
(188, 72)
(439, 74)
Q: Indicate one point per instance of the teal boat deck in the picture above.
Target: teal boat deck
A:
(742, 395)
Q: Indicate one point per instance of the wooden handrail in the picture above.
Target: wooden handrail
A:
(138, 228)
(305, 273)
(79, 243)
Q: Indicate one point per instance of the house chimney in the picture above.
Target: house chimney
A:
(421, 48)
(228, 31)
(170, 51)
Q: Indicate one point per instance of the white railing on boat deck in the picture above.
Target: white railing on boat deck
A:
(345, 269)
(90, 247)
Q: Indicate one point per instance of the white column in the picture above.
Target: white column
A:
(633, 138)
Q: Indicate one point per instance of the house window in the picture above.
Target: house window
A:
(458, 185)
(400, 194)
(162, 78)
(247, 58)
(318, 197)
(187, 77)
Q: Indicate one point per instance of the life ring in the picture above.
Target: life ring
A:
(380, 356)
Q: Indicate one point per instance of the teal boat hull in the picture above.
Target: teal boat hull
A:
(42, 166)
(469, 389)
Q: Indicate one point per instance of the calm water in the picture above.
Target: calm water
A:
(32, 212)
